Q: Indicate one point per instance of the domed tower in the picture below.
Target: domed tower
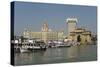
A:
(45, 27)
(45, 31)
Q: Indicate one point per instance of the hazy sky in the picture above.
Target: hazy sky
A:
(33, 15)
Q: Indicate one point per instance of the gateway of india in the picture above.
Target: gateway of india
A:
(73, 33)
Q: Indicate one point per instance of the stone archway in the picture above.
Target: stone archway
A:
(78, 38)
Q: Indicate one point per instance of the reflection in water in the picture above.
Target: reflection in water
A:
(73, 52)
(53, 55)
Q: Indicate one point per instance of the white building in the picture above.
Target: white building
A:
(71, 23)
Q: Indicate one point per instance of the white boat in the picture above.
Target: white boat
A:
(38, 46)
(23, 50)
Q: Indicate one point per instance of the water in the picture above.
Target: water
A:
(58, 55)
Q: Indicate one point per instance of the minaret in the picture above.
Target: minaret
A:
(45, 27)
(71, 23)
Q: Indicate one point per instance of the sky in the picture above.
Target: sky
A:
(30, 15)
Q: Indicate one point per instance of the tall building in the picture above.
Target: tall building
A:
(71, 23)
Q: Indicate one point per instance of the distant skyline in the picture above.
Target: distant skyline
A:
(33, 15)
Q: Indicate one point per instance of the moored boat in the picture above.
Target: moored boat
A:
(39, 45)
(23, 50)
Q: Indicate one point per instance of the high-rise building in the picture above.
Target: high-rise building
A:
(71, 24)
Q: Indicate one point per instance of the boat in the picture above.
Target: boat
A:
(58, 44)
(38, 45)
(37, 48)
(24, 50)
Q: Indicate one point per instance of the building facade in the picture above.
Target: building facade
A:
(74, 33)
(78, 34)
(44, 35)
(81, 35)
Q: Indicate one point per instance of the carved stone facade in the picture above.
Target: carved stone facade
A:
(77, 34)
(81, 35)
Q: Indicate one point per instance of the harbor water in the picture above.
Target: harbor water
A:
(58, 55)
